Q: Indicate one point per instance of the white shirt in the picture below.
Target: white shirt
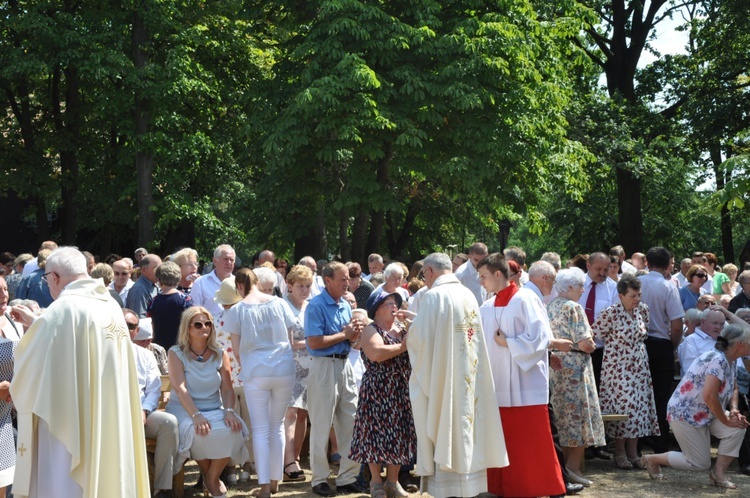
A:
(681, 280)
(149, 380)
(415, 299)
(628, 268)
(318, 286)
(30, 267)
(204, 290)
(663, 301)
(521, 370)
(124, 291)
(692, 347)
(469, 277)
(606, 296)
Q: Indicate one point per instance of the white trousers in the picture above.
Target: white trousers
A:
(695, 443)
(267, 399)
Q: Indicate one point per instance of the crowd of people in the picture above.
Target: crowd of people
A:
(477, 373)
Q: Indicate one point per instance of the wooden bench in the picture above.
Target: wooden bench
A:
(178, 480)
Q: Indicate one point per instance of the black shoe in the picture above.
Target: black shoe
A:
(351, 488)
(572, 488)
(164, 493)
(602, 454)
(322, 489)
(745, 470)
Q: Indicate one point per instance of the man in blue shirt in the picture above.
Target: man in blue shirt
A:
(331, 388)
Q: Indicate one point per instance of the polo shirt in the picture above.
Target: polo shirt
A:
(324, 316)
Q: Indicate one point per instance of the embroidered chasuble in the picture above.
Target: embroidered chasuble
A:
(75, 378)
(459, 433)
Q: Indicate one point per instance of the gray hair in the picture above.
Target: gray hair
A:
(516, 254)
(394, 268)
(742, 312)
(569, 278)
(265, 275)
(552, 258)
(733, 334)
(438, 261)
(694, 316)
(708, 311)
(223, 248)
(375, 258)
(67, 262)
(542, 269)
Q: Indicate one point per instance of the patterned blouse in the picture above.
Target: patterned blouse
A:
(686, 403)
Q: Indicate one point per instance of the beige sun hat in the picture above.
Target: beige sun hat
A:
(227, 293)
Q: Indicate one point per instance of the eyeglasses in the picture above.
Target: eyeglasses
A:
(390, 303)
(121, 273)
(190, 263)
(44, 277)
(700, 275)
(200, 325)
(132, 326)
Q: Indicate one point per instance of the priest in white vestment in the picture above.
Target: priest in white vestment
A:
(80, 430)
(459, 434)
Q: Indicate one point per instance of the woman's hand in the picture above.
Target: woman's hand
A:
(202, 426)
(5, 391)
(232, 421)
(736, 419)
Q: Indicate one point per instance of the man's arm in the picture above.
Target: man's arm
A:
(676, 331)
(153, 383)
(324, 341)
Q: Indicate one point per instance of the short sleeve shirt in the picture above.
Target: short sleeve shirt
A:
(663, 301)
(686, 403)
(324, 316)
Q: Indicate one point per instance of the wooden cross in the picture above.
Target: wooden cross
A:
(21, 449)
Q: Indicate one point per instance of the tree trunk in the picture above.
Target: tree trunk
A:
(359, 231)
(144, 159)
(70, 129)
(629, 217)
(722, 177)
(344, 245)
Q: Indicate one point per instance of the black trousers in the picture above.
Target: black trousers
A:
(661, 363)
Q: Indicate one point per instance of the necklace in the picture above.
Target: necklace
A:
(199, 357)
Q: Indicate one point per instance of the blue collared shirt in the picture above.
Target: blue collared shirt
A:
(324, 316)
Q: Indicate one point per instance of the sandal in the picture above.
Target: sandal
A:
(638, 463)
(725, 484)
(394, 490)
(295, 475)
(653, 473)
(622, 462)
(376, 490)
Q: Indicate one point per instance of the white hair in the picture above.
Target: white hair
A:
(438, 261)
(67, 262)
(223, 248)
(265, 275)
(569, 278)
(393, 269)
(552, 258)
(542, 269)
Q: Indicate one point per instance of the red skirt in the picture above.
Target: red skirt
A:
(534, 469)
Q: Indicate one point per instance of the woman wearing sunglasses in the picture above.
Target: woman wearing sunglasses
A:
(690, 293)
(203, 400)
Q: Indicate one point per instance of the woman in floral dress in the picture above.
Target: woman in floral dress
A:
(574, 398)
(299, 282)
(626, 379)
(384, 432)
(697, 410)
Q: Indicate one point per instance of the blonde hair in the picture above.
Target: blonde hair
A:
(181, 257)
(299, 273)
(183, 336)
(103, 271)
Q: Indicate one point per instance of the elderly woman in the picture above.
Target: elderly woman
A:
(394, 275)
(259, 325)
(626, 379)
(187, 260)
(697, 410)
(690, 293)
(299, 283)
(166, 308)
(730, 286)
(358, 286)
(203, 399)
(574, 398)
(266, 280)
(691, 320)
(384, 432)
(10, 334)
